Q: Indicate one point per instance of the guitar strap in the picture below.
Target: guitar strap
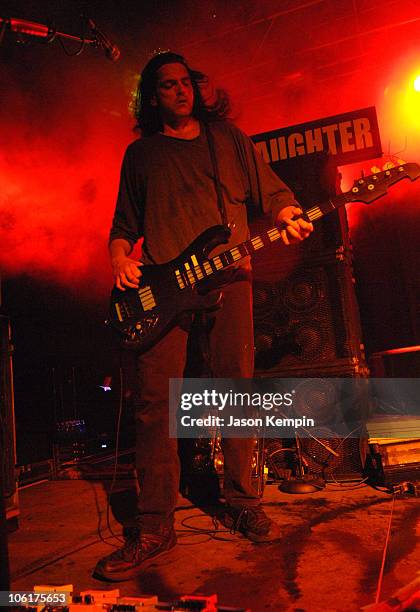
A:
(203, 320)
(220, 201)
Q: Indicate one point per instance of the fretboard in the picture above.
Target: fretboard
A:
(194, 271)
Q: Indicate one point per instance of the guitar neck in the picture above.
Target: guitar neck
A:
(195, 272)
(365, 189)
(270, 236)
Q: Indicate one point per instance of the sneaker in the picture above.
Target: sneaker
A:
(252, 522)
(129, 560)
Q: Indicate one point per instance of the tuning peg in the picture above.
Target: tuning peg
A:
(375, 169)
(388, 165)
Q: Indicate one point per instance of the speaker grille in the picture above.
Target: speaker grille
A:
(308, 316)
(347, 464)
(323, 463)
(302, 293)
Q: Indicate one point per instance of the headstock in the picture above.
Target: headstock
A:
(369, 188)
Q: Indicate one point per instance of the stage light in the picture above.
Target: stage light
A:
(417, 83)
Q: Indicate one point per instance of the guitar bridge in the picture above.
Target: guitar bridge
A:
(142, 328)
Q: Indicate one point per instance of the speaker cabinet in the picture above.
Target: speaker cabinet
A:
(345, 464)
(306, 320)
(306, 315)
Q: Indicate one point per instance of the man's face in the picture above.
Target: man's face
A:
(174, 93)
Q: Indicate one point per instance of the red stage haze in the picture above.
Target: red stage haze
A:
(64, 123)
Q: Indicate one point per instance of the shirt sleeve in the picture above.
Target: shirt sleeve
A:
(127, 222)
(266, 189)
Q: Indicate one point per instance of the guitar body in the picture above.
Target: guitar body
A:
(144, 315)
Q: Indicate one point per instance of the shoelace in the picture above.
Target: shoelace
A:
(128, 551)
(136, 544)
(250, 518)
(237, 522)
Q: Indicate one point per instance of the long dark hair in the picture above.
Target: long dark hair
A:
(147, 117)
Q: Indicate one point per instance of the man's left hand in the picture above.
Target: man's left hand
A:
(296, 230)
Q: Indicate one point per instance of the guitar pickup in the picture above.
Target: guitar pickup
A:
(147, 299)
(123, 311)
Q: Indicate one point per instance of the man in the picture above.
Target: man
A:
(167, 197)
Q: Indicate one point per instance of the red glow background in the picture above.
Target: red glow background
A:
(64, 121)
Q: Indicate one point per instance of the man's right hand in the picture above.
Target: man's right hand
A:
(126, 272)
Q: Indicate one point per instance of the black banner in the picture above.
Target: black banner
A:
(348, 138)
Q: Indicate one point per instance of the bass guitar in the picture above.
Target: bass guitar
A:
(143, 315)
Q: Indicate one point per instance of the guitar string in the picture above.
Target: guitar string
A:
(273, 234)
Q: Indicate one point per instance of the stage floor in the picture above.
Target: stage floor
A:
(329, 560)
